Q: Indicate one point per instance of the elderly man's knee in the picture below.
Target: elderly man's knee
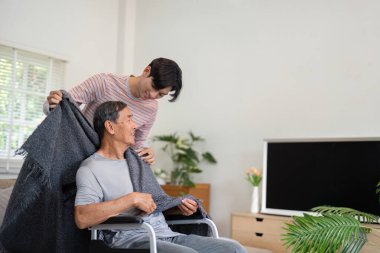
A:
(233, 246)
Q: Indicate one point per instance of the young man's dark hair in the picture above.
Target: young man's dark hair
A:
(106, 111)
(166, 72)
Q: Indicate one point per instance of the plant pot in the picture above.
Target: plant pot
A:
(200, 191)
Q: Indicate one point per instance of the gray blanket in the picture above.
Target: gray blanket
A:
(39, 216)
(143, 180)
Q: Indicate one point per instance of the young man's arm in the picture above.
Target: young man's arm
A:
(83, 93)
(141, 143)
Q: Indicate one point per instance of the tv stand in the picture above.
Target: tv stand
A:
(259, 230)
(264, 231)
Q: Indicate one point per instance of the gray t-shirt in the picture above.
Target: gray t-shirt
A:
(101, 179)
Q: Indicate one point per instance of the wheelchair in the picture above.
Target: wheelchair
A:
(195, 224)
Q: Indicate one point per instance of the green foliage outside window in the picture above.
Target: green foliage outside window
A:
(25, 79)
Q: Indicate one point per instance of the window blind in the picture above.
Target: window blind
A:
(25, 80)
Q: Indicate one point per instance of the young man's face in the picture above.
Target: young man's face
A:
(125, 127)
(146, 87)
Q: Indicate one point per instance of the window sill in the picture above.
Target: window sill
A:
(9, 175)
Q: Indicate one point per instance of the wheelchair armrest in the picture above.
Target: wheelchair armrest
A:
(121, 222)
(123, 219)
(169, 216)
(210, 223)
(196, 218)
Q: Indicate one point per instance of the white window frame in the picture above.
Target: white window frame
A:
(9, 163)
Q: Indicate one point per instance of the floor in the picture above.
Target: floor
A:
(257, 250)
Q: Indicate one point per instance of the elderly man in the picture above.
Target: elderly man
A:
(105, 189)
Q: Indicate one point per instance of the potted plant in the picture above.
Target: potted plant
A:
(186, 159)
(336, 229)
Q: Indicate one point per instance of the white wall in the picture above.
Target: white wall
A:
(82, 32)
(263, 69)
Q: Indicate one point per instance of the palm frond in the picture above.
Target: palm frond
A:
(326, 233)
(355, 246)
(345, 211)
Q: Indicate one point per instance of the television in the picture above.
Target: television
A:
(299, 174)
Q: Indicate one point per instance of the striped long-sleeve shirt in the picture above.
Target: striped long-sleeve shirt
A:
(110, 87)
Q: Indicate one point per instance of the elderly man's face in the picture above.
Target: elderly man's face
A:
(125, 127)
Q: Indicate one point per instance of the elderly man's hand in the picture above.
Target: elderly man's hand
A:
(188, 207)
(143, 201)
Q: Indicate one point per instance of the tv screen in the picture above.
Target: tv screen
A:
(302, 174)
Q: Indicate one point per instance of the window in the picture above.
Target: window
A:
(25, 80)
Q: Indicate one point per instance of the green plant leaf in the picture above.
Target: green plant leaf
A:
(188, 183)
(182, 144)
(326, 233)
(164, 148)
(194, 169)
(185, 160)
(195, 138)
(345, 211)
(171, 138)
(209, 157)
(192, 154)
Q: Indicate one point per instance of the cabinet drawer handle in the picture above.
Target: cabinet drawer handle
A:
(259, 234)
(259, 219)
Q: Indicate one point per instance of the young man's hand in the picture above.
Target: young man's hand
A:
(55, 96)
(146, 154)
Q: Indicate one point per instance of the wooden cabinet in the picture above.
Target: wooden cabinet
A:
(264, 231)
(259, 230)
(200, 191)
(373, 244)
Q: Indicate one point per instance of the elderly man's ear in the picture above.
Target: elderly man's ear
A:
(109, 127)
